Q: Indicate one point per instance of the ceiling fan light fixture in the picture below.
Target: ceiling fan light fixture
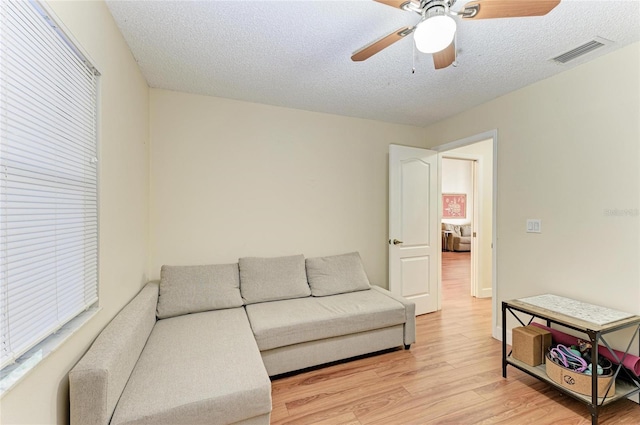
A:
(435, 33)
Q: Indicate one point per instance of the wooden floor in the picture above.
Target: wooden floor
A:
(452, 375)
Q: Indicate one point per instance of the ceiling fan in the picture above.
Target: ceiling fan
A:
(435, 33)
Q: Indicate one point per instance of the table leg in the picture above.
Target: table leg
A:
(594, 408)
(504, 340)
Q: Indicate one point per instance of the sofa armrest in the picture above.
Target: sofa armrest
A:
(97, 381)
(410, 315)
(461, 240)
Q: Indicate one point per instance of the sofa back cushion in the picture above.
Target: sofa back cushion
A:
(454, 228)
(336, 274)
(270, 279)
(465, 230)
(193, 289)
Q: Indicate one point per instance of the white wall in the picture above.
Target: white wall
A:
(457, 178)
(569, 154)
(43, 396)
(231, 179)
(483, 151)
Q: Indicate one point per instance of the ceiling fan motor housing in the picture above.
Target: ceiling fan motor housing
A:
(436, 10)
(424, 6)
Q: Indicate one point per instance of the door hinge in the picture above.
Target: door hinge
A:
(474, 234)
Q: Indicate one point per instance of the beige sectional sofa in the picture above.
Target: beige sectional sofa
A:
(201, 345)
(458, 238)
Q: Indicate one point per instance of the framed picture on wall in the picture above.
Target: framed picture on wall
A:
(454, 205)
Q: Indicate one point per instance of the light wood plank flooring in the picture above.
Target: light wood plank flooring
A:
(452, 375)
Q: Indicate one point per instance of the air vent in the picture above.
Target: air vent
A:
(582, 50)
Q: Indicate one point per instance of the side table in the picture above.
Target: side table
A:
(595, 333)
(445, 239)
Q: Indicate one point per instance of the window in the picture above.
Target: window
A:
(48, 179)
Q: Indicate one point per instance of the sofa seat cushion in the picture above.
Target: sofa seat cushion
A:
(287, 322)
(196, 369)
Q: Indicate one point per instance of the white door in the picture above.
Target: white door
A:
(414, 231)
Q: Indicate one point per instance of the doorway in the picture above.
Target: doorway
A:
(479, 153)
(458, 223)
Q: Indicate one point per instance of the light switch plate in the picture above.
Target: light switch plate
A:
(534, 225)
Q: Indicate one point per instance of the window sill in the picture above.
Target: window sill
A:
(12, 374)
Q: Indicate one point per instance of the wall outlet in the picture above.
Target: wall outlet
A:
(534, 225)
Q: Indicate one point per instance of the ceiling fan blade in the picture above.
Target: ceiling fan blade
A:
(446, 57)
(394, 3)
(489, 9)
(373, 48)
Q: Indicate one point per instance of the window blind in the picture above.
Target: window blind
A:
(48, 179)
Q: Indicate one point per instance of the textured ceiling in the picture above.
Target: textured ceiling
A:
(297, 53)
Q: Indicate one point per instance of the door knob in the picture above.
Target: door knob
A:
(396, 242)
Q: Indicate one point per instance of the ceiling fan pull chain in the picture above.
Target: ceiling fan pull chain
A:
(455, 52)
(413, 68)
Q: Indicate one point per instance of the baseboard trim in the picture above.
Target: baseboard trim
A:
(498, 334)
(485, 293)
